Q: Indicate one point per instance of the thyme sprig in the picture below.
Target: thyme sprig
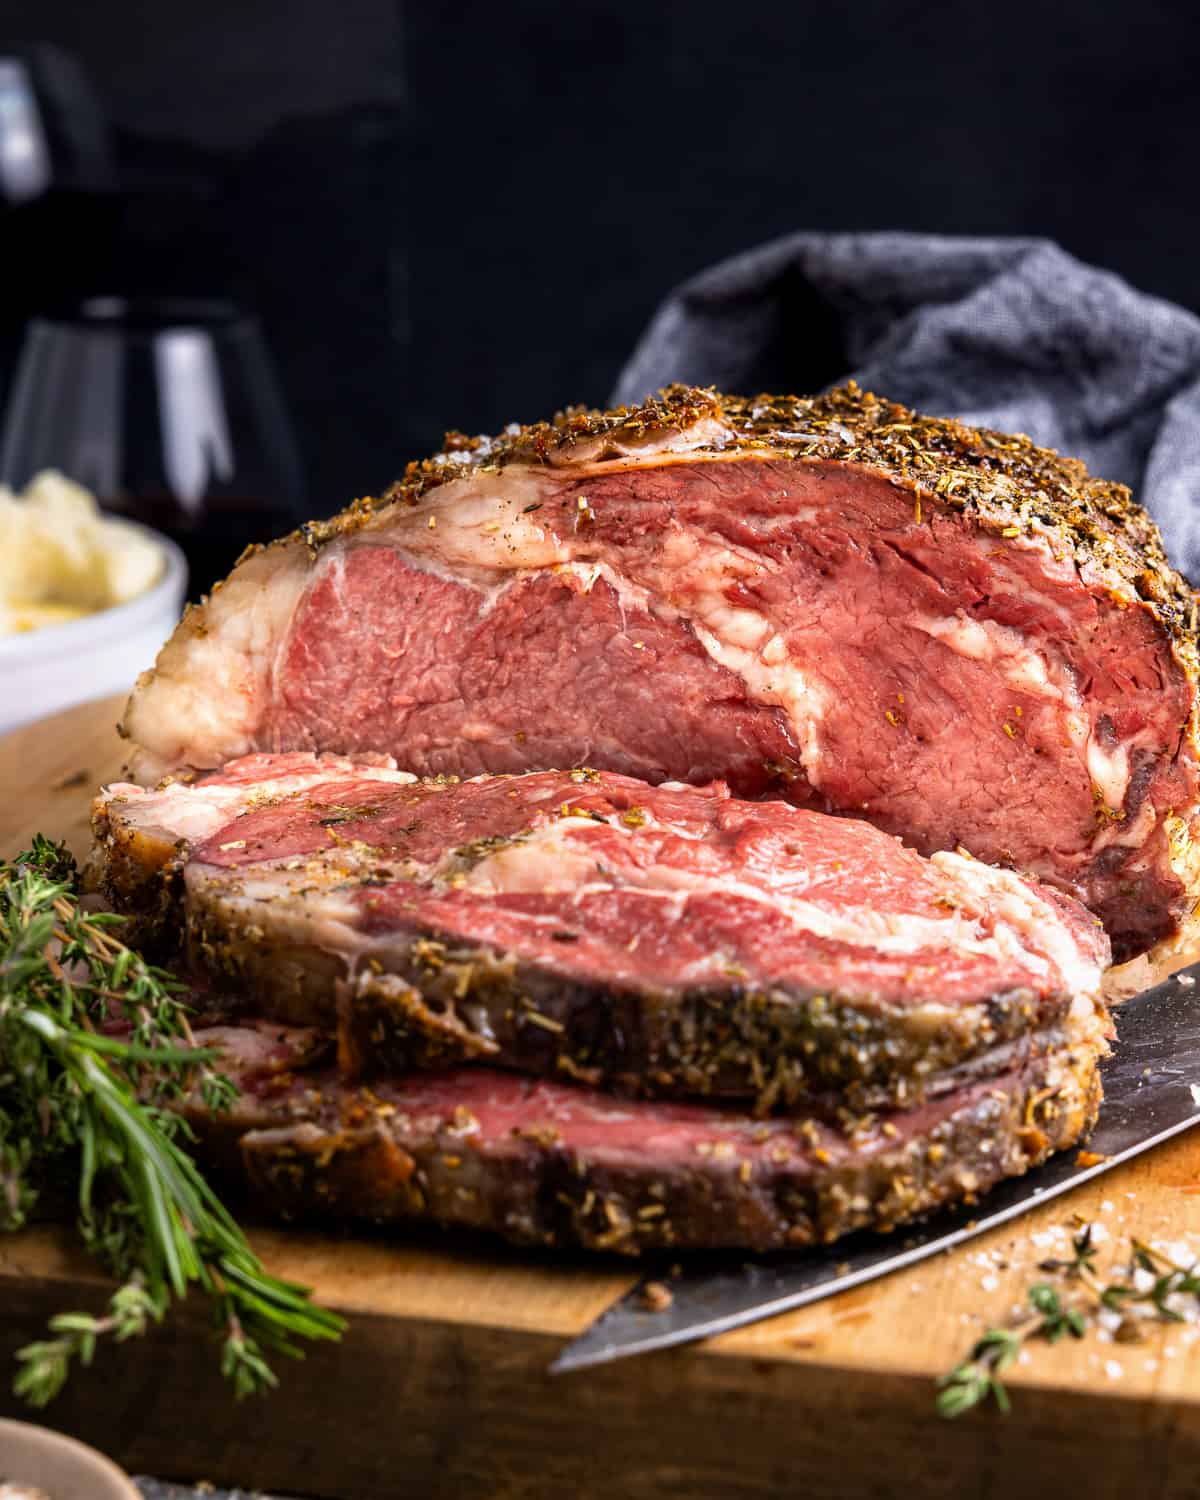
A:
(1050, 1316)
(978, 1377)
(87, 1112)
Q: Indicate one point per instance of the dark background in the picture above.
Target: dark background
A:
(459, 214)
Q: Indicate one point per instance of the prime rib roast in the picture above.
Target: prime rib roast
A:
(958, 636)
(704, 823)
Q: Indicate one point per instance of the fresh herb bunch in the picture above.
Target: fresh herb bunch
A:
(978, 1377)
(88, 1112)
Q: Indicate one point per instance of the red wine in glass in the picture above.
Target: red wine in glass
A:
(170, 412)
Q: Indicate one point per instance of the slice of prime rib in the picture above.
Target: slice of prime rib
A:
(660, 940)
(957, 635)
(556, 1164)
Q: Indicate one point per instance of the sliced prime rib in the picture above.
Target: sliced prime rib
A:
(556, 1164)
(957, 635)
(662, 940)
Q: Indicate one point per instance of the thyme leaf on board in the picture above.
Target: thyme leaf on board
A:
(95, 1047)
(1151, 1287)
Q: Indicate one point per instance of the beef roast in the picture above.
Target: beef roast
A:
(555, 1164)
(957, 635)
(669, 939)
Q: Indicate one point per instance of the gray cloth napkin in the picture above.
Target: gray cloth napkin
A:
(1006, 333)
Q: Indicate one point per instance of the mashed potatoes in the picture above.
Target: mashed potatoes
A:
(60, 558)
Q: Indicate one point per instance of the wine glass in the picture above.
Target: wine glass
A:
(170, 412)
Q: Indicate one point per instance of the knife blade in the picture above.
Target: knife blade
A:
(1148, 1097)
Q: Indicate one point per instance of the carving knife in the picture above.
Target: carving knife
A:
(1151, 1092)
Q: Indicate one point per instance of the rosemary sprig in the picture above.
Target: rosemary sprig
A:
(978, 1377)
(80, 1104)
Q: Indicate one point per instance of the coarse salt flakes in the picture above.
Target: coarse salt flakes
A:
(1113, 1369)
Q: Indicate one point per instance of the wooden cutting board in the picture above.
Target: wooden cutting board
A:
(439, 1389)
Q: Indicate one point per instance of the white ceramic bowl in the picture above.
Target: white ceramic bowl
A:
(42, 671)
(58, 1465)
